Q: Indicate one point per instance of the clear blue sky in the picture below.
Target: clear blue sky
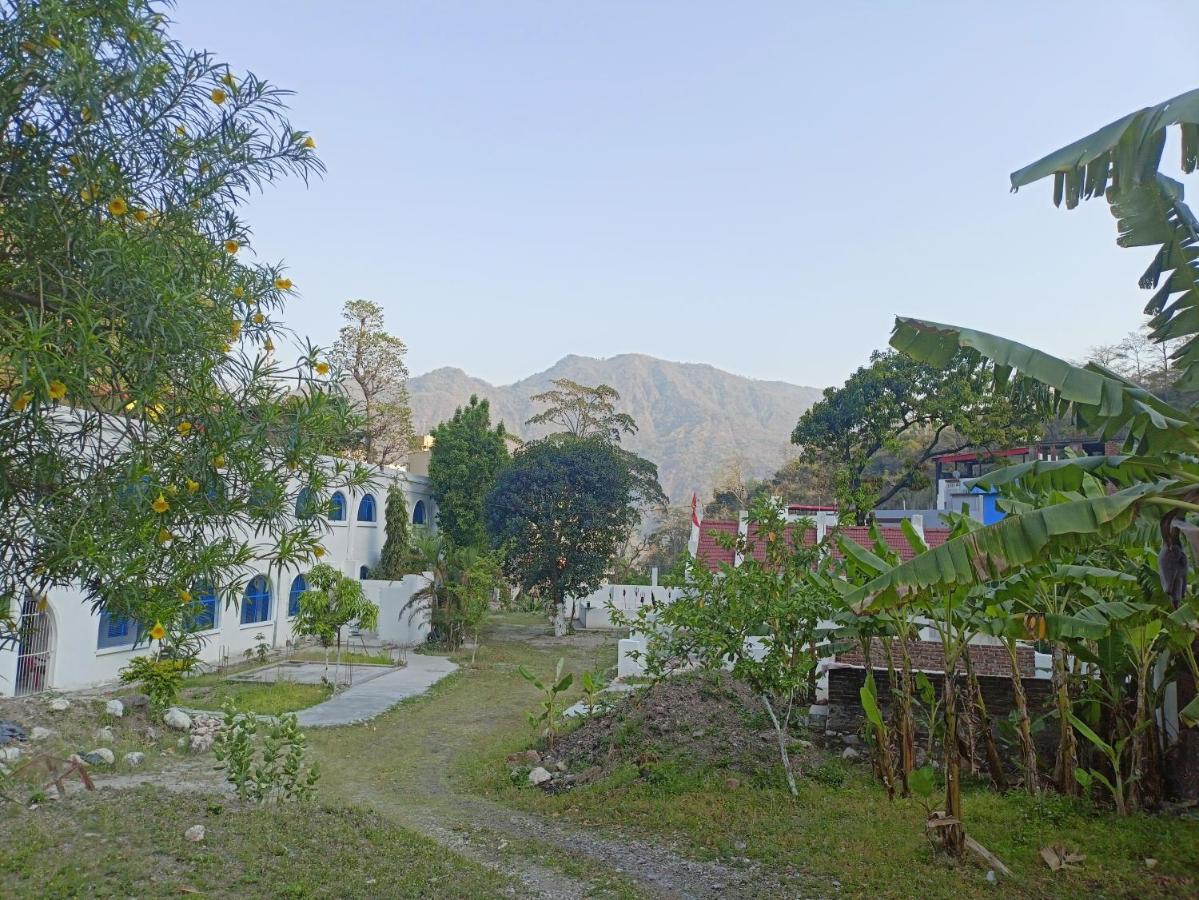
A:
(759, 186)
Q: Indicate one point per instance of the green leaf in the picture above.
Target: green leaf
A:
(1103, 746)
(530, 677)
(1189, 714)
(870, 704)
(923, 781)
(564, 683)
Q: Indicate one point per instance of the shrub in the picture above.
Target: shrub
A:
(161, 678)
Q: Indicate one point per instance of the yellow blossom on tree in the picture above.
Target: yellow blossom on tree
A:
(310, 143)
(158, 632)
(117, 206)
(318, 552)
(283, 284)
(85, 114)
(192, 486)
(140, 215)
(180, 130)
(57, 390)
(160, 504)
(239, 292)
(184, 428)
(85, 195)
(218, 96)
(219, 460)
(63, 170)
(269, 346)
(232, 246)
(259, 318)
(53, 42)
(185, 595)
(227, 78)
(322, 368)
(164, 536)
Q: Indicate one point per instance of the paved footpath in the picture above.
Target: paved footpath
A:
(362, 702)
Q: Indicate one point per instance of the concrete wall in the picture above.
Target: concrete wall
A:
(401, 621)
(349, 545)
(595, 610)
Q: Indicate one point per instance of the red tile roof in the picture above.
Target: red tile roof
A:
(807, 539)
(710, 551)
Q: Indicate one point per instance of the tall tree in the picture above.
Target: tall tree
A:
(396, 558)
(373, 362)
(466, 458)
(145, 424)
(909, 411)
(559, 512)
(583, 411)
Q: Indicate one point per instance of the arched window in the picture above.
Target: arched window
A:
(306, 506)
(115, 631)
(366, 509)
(256, 605)
(337, 507)
(418, 513)
(364, 572)
(299, 585)
(204, 612)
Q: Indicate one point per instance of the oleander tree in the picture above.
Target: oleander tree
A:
(151, 438)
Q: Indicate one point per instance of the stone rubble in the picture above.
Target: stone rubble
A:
(177, 719)
(204, 731)
(115, 708)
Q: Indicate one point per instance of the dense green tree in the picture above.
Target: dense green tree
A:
(460, 583)
(331, 602)
(583, 411)
(560, 512)
(467, 455)
(372, 361)
(396, 558)
(877, 432)
(146, 425)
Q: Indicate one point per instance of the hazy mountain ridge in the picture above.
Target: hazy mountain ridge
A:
(692, 418)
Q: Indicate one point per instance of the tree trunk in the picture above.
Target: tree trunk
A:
(1067, 749)
(897, 716)
(994, 760)
(953, 836)
(559, 619)
(907, 724)
(1028, 750)
(781, 734)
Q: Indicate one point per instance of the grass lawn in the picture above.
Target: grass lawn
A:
(357, 658)
(131, 843)
(265, 699)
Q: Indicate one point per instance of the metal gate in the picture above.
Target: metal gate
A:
(35, 647)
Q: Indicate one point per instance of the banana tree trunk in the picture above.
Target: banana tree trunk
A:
(907, 724)
(1067, 748)
(994, 760)
(1028, 750)
(953, 835)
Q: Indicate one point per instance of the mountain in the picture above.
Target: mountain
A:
(692, 419)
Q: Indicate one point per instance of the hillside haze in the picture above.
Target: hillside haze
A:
(692, 419)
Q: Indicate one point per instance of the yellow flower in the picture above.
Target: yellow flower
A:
(259, 318)
(43, 603)
(21, 401)
(160, 504)
(164, 536)
(218, 96)
(310, 143)
(269, 346)
(129, 407)
(185, 595)
(283, 284)
(227, 347)
(28, 129)
(85, 114)
(86, 195)
(232, 246)
(219, 460)
(63, 170)
(117, 206)
(322, 368)
(239, 292)
(192, 486)
(318, 552)
(58, 390)
(180, 130)
(158, 632)
(183, 428)
(155, 411)
(207, 302)
(53, 42)
(235, 330)
(73, 159)
(172, 490)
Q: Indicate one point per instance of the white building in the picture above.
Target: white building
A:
(62, 645)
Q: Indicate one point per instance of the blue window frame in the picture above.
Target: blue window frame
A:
(298, 586)
(418, 513)
(337, 507)
(366, 509)
(306, 505)
(115, 631)
(204, 616)
(256, 605)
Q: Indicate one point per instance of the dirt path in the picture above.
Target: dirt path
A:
(411, 764)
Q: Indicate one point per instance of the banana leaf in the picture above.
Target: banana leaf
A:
(989, 553)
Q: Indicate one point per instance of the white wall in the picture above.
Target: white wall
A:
(349, 545)
(400, 621)
(595, 610)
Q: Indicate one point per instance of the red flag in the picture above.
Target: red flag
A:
(695, 509)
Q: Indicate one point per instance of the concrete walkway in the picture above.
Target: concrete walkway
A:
(372, 698)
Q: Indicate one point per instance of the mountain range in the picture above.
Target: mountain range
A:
(693, 419)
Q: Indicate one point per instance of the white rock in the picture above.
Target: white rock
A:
(41, 734)
(104, 735)
(60, 704)
(850, 753)
(177, 719)
(539, 776)
(115, 708)
(105, 754)
(10, 754)
(195, 834)
(134, 759)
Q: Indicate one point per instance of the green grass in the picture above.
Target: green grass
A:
(356, 658)
(262, 698)
(131, 844)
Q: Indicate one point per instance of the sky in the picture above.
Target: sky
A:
(759, 186)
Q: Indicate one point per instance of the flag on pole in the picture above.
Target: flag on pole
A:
(695, 509)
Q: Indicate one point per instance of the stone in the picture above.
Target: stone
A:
(991, 879)
(115, 708)
(103, 754)
(10, 754)
(532, 757)
(10, 733)
(850, 753)
(41, 734)
(60, 704)
(177, 719)
(539, 776)
(560, 766)
(151, 733)
(104, 735)
(135, 701)
(134, 759)
(195, 834)
(732, 783)
(850, 740)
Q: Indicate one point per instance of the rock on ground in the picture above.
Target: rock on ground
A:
(41, 734)
(195, 833)
(60, 704)
(177, 719)
(134, 759)
(115, 708)
(104, 735)
(539, 776)
(101, 756)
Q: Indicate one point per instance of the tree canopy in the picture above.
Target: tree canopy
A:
(467, 455)
(583, 411)
(877, 432)
(146, 424)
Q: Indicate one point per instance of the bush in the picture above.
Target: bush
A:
(161, 679)
(275, 769)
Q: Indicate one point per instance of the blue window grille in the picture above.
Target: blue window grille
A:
(364, 572)
(298, 586)
(337, 507)
(256, 605)
(306, 505)
(418, 513)
(366, 509)
(115, 631)
(204, 615)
